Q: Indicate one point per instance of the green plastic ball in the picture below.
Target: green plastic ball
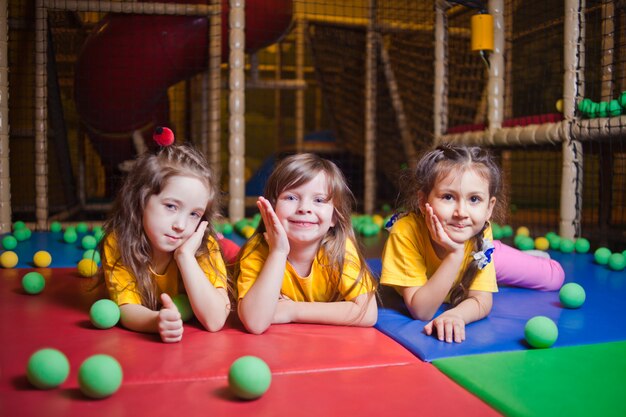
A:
(19, 225)
(47, 368)
(256, 221)
(369, 229)
(550, 235)
(517, 240)
(541, 332)
(22, 234)
(70, 236)
(92, 254)
(567, 246)
(33, 283)
(555, 242)
(572, 295)
(583, 105)
(602, 255)
(239, 225)
(507, 231)
(593, 110)
(603, 109)
(89, 242)
(98, 235)
(582, 245)
(55, 227)
(526, 243)
(104, 314)
(496, 230)
(249, 377)
(82, 228)
(9, 242)
(617, 262)
(386, 208)
(99, 376)
(622, 99)
(614, 108)
(227, 229)
(184, 306)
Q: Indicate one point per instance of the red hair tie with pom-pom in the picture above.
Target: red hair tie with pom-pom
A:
(163, 136)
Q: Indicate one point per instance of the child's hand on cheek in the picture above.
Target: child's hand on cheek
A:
(275, 234)
(438, 234)
(191, 245)
(170, 321)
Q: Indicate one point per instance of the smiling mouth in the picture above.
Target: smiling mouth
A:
(457, 226)
(302, 224)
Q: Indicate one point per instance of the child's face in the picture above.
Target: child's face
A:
(306, 212)
(462, 204)
(172, 216)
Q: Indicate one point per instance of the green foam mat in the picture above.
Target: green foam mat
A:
(587, 380)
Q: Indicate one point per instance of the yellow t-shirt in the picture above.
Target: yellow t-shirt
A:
(315, 287)
(122, 285)
(409, 258)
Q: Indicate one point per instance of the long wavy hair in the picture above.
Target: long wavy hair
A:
(148, 177)
(296, 170)
(436, 164)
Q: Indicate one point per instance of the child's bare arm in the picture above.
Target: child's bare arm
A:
(423, 302)
(361, 311)
(210, 305)
(257, 308)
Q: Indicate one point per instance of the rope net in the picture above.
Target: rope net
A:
(351, 52)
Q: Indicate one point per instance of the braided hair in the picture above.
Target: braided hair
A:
(438, 163)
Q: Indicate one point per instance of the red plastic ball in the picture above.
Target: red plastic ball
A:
(163, 136)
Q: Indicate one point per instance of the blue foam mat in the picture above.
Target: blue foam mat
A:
(602, 318)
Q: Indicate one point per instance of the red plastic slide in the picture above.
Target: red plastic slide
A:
(129, 61)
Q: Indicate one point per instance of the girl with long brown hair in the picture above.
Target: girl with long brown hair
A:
(442, 251)
(303, 263)
(159, 243)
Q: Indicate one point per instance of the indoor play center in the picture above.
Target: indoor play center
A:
(368, 84)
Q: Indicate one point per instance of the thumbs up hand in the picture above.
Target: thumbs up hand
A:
(170, 321)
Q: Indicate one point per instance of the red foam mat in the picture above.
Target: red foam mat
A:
(403, 390)
(316, 368)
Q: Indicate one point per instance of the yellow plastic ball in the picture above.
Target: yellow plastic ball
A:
(542, 243)
(42, 259)
(523, 231)
(87, 268)
(559, 105)
(247, 231)
(378, 220)
(8, 259)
